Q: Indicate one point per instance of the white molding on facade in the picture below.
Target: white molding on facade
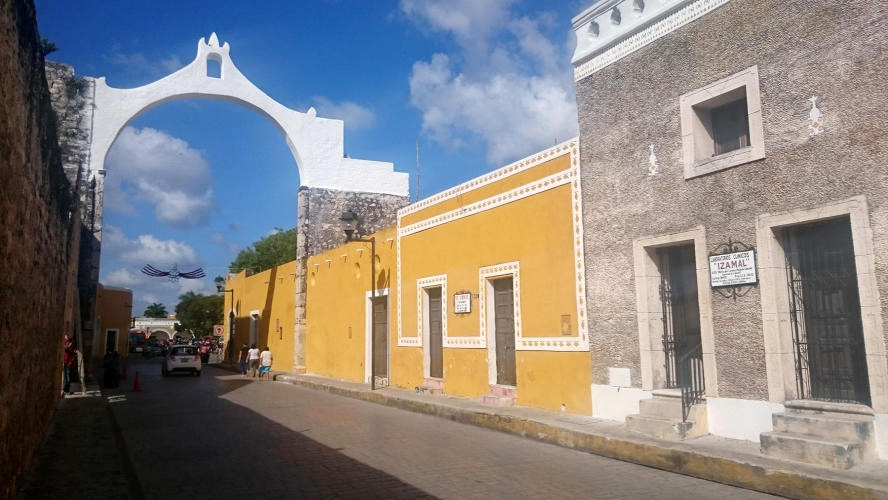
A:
(535, 187)
(604, 37)
(579, 342)
(368, 331)
(422, 330)
(317, 144)
(486, 311)
(497, 175)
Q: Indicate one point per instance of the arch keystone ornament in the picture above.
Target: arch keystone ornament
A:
(330, 182)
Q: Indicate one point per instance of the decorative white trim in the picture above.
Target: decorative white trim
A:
(497, 175)
(421, 330)
(538, 186)
(488, 333)
(580, 342)
(591, 56)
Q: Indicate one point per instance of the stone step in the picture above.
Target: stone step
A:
(433, 383)
(506, 391)
(842, 427)
(808, 449)
(494, 400)
(424, 389)
(661, 407)
(662, 428)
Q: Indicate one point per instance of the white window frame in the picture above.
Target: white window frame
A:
(695, 135)
(422, 316)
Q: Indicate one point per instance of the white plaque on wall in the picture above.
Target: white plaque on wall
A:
(732, 269)
(462, 303)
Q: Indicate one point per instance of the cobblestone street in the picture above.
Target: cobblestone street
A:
(223, 436)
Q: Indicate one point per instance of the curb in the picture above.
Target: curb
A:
(700, 464)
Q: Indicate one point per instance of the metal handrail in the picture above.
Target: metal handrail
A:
(691, 379)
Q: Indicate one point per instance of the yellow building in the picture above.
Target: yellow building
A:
(491, 288)
(261, 307)
(114, 310)
(479, 292)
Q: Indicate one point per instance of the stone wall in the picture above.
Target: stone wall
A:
(35, 215)
(319, 229)
(72, 99)
(834, 50)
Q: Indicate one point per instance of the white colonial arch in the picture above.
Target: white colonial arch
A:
(317, 143)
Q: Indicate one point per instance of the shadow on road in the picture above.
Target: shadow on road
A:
(186, 439)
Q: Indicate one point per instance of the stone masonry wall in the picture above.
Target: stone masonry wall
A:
(319, 229)
(35, 216)
(834, 50)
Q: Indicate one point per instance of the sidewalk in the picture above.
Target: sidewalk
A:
(82, 456)
(713, 458)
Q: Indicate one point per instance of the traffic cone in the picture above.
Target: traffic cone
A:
(123, 371)
(137, 386)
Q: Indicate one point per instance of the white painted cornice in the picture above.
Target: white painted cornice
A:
(613, 29)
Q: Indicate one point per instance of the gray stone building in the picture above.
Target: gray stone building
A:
(753, 131)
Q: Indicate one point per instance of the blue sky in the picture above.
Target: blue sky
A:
(477, 83)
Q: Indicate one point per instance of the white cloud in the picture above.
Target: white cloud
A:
(153, 167)
(146, 249)
(353, 114)
(138, 62)
(508, 83)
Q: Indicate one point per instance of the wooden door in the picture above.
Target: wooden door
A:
(504, 325)
(436, 340)
(380, 336)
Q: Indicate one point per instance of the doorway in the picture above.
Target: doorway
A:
(504, 330)
(436, 338)
(682, 345)
(379, 325)
(824, 304)
(110, 340)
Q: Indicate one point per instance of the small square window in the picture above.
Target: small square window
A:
(721, 124)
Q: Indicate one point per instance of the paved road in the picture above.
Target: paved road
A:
(223, 436)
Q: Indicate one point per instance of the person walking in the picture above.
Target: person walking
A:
(69, 360)
(253, 356)
(242, 359)
(265, 359)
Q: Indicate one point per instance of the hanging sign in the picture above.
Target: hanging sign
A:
(462, 303)
(732, 269)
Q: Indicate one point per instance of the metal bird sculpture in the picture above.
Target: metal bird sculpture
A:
(173, 274)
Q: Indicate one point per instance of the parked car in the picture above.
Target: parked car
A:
(182, 358)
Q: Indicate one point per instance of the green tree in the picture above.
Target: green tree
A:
(270, 251)
(47, 46)
(197, 313)
(155, 310)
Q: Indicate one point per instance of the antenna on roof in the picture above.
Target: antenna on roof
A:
(418, 174)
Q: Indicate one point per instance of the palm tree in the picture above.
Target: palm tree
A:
(155, 310)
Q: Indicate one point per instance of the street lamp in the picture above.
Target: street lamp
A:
(349, 222)
(220, 287)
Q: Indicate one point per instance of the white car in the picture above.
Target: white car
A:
(182, 358)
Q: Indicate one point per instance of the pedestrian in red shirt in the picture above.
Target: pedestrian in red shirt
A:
(69, 360)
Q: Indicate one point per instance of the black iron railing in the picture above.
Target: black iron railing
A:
(690, 379)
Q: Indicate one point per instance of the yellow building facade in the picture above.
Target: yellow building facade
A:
(114, 310)
(259, 310)
(478, 292)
